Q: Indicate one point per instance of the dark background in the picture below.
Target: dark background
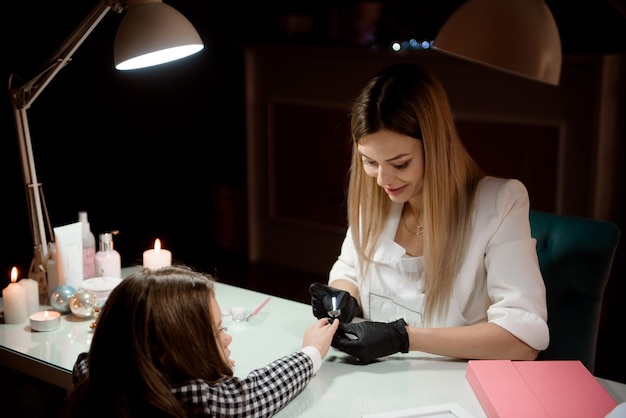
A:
(146, 152)
(151, 153)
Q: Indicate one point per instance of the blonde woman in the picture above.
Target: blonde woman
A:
(438, 257)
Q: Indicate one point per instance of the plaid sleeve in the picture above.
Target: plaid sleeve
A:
(81, 369)
(262, 393)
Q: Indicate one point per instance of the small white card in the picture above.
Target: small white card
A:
(446, 410)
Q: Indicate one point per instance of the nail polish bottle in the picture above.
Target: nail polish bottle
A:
(108, 260)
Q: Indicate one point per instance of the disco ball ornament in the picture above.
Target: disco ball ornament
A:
(83, 303)
(60, 298)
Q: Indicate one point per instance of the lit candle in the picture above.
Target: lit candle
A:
(157, 257)
(45, 320)
(14, 300)
(31, 288)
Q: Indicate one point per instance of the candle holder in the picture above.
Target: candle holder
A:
(45, 320)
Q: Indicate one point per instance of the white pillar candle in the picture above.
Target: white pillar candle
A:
(31, 288)
(14, 301)
(157, 257)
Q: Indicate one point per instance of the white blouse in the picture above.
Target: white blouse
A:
(499, 281)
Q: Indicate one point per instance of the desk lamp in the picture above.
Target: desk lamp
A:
(516, 36)
(150, 33)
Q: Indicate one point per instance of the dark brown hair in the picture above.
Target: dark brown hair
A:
(155, 330)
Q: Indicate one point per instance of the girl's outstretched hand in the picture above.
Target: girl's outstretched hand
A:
(320, 335)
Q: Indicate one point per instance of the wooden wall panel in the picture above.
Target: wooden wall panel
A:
(297, 104)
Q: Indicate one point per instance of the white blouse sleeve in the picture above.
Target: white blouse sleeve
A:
(514, 282)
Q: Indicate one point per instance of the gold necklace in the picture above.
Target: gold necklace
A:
(420, 228)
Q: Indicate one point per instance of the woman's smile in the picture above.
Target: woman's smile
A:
(395, 192)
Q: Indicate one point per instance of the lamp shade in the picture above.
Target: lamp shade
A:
(153, 33)
(516, 36)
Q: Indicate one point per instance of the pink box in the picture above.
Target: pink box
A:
(538, 389)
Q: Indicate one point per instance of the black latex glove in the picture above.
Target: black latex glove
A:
(322, 302)
(373, 339)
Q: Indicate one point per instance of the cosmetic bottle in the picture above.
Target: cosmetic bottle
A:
(89, 248)
(51, 268)
(108, 261)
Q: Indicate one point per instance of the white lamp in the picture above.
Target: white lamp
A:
(153, 33)
(516, 36)
(150, 33)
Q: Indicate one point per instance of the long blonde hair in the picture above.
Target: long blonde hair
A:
(407, 99)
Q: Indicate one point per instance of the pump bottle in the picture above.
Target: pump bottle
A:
(108, 260)
(89, 248)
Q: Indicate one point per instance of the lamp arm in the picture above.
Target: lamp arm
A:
(25, 95)
(21, 99)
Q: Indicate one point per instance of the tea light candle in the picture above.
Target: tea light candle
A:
(14, 301)
(45, 320)
(31, 287)
(157, 257)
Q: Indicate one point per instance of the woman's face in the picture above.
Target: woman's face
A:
(224, 339)
(396, 161)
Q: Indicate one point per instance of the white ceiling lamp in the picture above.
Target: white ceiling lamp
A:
(516, 36)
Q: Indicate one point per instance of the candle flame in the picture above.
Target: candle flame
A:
(45, 315)
(13, 274)
(157, 245)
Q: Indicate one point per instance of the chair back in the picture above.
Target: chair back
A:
(575, 257)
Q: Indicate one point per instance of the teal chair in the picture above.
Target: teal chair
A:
(575, 257)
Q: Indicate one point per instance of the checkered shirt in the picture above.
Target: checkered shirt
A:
(262, 393)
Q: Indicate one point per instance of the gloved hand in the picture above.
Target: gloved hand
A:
(322, 302)
(373, 339)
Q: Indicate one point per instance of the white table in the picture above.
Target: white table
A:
(340, 388)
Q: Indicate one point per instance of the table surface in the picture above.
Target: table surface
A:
(340, 388)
